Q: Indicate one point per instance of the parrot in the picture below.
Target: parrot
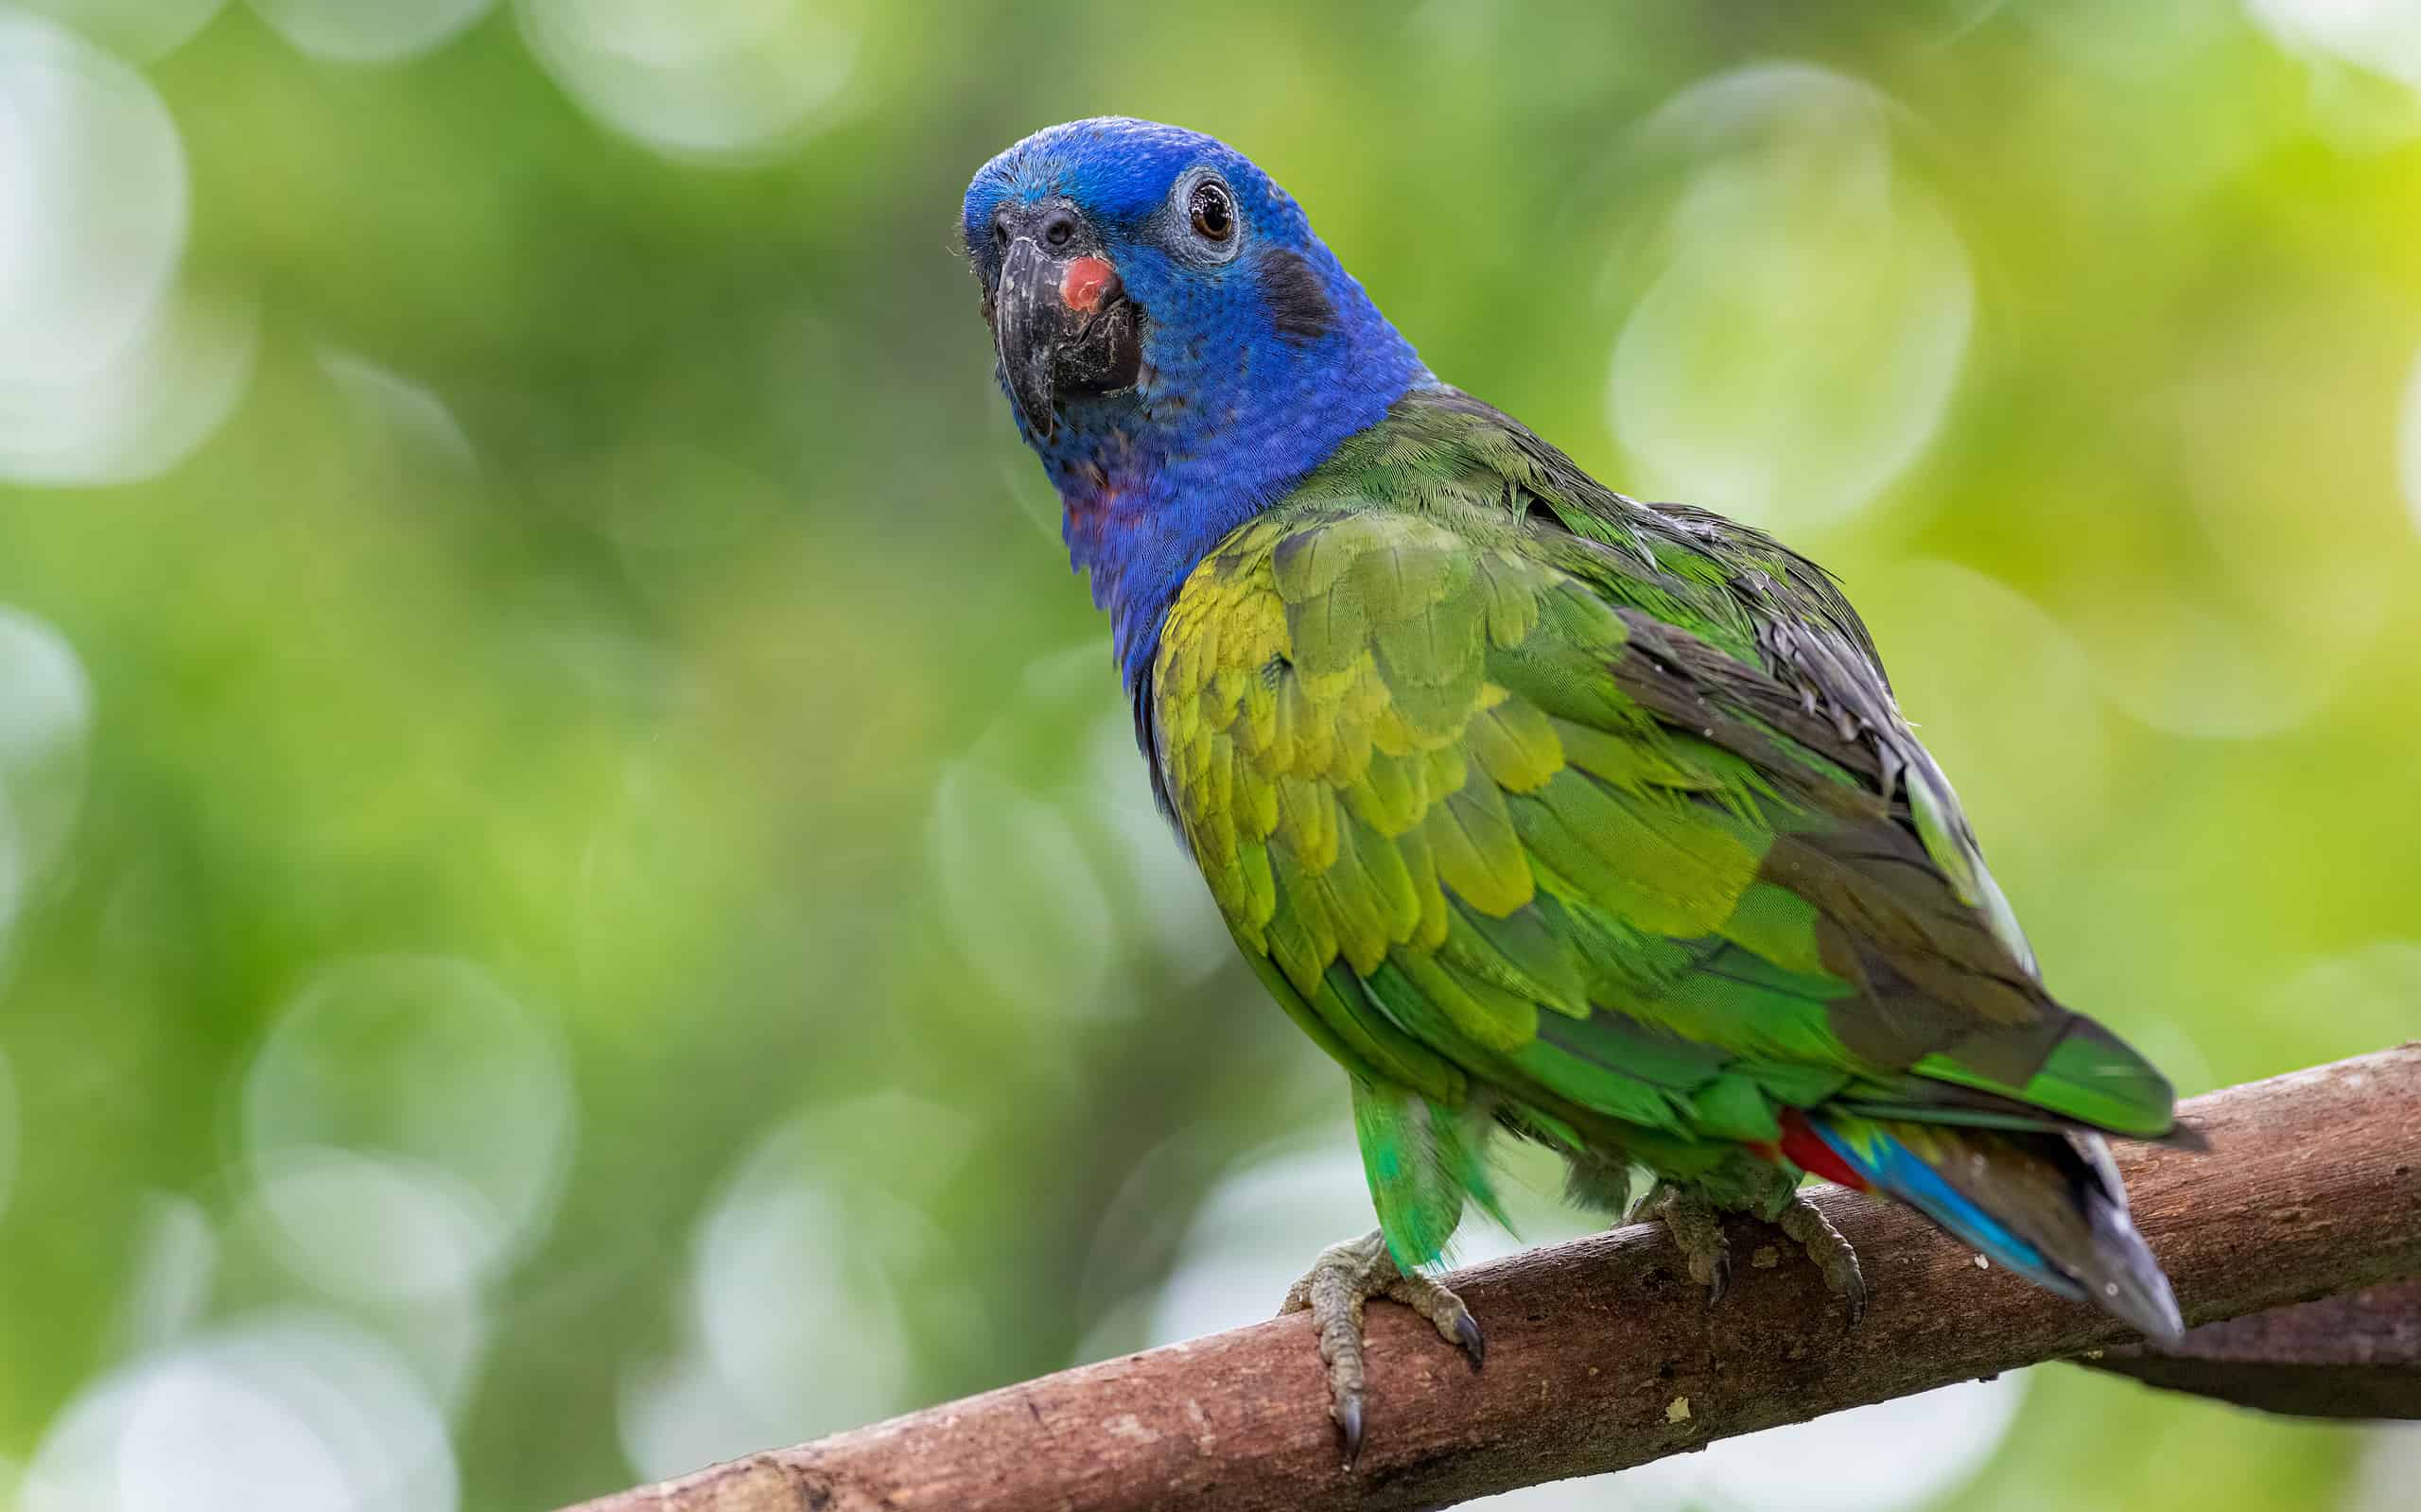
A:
(1547, 814)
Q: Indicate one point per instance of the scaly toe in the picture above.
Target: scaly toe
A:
(1804, 1221)
(1333, 1291)
(1443, 1309)
(1698, 1232)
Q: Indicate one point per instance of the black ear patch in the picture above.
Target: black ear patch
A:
(1298, 308)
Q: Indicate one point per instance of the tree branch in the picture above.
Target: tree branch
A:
(1602, 1355)
(2352, 1356)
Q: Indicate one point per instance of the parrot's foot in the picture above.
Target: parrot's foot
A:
(1832, 1254)
(1333, 1291)
(1697, 1228)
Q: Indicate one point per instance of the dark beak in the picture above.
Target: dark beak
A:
(1026, 331)
(1060, 336)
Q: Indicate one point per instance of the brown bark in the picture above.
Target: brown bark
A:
(2352, 1356)
(1602, 1355)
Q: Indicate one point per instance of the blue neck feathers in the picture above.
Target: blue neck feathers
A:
(1215, 432)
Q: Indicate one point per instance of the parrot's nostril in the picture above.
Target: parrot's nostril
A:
(1058, 229)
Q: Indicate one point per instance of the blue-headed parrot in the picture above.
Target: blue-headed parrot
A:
(1544, 811)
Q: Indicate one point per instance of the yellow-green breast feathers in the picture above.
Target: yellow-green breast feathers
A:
(1505, 797)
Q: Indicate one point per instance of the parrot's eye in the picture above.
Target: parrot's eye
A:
(1213, 211)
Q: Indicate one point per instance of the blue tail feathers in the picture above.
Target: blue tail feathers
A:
(2048, 1206)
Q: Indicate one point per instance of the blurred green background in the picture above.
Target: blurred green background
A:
(575, 892)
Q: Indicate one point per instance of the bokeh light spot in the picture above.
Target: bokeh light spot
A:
(373, 1227)
(1259, 1229)
(46, 717)
(136, 30)
(1882, 1458)
(1020, 895)
(109, 372)
(2367, 997)
(793, 1327)
(1799, 345)
(296, 1412)
(176, 1259)
(1255, 1234)
(406, 1124)
(696, 78)
(419, 433)
(1162, 881)
(1984, 670)
(2190, 667)
(2382, 36)
(2389, 1468)
(369, 32)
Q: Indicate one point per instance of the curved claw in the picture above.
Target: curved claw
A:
(1340, 1282)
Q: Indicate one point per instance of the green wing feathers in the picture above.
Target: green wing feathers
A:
(1517, 825)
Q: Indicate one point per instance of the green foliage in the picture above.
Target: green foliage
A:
(596, 809)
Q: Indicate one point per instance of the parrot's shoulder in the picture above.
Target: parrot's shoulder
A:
(1443, 453)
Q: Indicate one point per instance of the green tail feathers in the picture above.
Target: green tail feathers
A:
(2089, 1077)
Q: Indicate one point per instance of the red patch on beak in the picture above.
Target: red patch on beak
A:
(1087, 282)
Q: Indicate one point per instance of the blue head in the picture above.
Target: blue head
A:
(1178, 347)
